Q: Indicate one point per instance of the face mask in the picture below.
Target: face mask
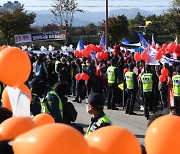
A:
(87, 108)
(88, 64)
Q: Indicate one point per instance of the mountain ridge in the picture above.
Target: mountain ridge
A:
(44, 17)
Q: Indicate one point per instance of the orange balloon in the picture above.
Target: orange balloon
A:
(3, 47)
(42, 119)
(5, 98)
(15, 66)
(163, 135)
(12, 127)
(51, 139)
(113, 140)
(144, 55)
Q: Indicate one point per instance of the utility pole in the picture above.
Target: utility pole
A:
(106, 26)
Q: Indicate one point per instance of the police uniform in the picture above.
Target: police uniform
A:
(35, 105)
(147, 83)
(52, 104)
(131, 87)
(100, 121)
(176, 88)
(112, 74)
(95, 105)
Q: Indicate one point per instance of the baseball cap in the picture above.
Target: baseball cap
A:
(96, 100)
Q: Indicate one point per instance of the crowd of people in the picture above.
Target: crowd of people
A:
(104, 78)
(117, 82)
(55, 74)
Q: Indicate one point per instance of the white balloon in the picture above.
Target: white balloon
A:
(42, 48)
(29, 49)
(71, 46)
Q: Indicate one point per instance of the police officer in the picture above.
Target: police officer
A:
(131, 88)
(35, 106)
(176, 87)
(113, 75)
(52, 104)
(94, 106)
(38, 87)
(50, 101)
(147, 80)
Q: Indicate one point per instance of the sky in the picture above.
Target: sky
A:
(98, 5)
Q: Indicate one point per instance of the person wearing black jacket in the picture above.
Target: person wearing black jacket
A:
(69, 112)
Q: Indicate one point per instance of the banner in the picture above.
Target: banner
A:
(22, 38)
(44, 36)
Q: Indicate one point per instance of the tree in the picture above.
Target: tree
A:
(139, 19)
(49, 28)
(91, 29)
(64, 11)
(118, 28)
(16, 22)
(171, 18)
(156, 27)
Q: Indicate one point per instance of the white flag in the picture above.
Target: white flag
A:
(153, 42)
(20, 102)
(176, 40)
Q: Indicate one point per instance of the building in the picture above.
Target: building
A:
(1, 8)
(10, 6)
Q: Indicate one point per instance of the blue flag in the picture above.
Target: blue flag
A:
(102, 41)
(125, 41)
(80, 45)
(93, 55)
(143, 41)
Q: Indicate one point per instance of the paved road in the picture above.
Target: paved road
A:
(137, 124)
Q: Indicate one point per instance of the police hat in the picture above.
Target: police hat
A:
(96, 100)
(37, 81)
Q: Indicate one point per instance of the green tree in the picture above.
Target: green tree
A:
(156, 27)
(50, 27)
(133, 29)
(171, 18)
(117, 29)
(91, 29)
(16, 22)
(139, 19)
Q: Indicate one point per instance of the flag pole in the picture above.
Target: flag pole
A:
(106, 26)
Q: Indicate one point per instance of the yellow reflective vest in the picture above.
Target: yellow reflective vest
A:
(111, 74)
(176, 85)
(44, 108)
